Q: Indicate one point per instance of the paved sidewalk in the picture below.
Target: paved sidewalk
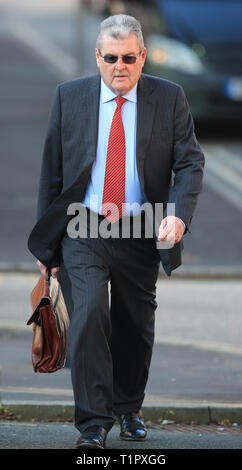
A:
(196, 369)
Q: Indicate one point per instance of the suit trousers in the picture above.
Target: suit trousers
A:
(111, 333)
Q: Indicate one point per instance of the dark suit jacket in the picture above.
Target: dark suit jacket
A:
(165, 143)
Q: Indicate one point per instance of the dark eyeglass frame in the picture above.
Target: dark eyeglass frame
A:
(127, 59)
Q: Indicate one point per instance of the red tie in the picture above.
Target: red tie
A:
(114, 183)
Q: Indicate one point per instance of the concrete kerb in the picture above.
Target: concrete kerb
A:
(209, 413)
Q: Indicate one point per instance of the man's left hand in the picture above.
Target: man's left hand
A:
(171, 230)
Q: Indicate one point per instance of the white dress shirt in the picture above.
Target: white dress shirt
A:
(94, 194)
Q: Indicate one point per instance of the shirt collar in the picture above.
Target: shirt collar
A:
(108, 95)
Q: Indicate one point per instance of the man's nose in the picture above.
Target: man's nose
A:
(120, 64)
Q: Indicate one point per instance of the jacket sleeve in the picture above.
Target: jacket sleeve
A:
(188, 162)
(50, 185)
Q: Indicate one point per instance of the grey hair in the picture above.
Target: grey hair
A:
(119, 26)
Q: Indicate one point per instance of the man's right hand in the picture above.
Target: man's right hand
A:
(43, 269)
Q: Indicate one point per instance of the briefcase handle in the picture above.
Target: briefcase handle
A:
(48, 274)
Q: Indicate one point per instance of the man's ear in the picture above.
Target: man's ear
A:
(97, 57)
(143, 55)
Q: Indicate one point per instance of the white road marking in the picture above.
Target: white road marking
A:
(223, 173)
(229, 157)
(61, 64)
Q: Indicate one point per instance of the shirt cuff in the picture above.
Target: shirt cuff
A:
(182, 222)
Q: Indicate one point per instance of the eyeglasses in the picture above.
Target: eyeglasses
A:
(127, 59)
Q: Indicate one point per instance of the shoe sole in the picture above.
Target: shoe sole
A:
(132, 438)
(89, 446)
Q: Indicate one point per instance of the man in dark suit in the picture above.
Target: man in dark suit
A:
(116, 138)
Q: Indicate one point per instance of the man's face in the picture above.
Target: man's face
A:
(120, 77)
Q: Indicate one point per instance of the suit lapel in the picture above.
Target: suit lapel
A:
(145, 116)
(91, 111)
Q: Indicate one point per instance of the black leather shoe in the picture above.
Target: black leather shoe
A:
(132, 427)
(93, 437)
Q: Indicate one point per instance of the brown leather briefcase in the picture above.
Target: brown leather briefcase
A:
(50, 325)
